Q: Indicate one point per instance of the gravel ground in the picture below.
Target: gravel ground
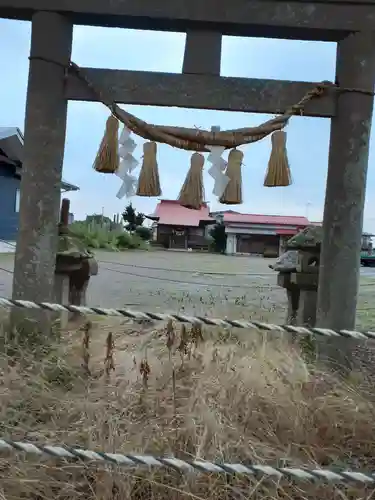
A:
(202, 283)
(242, 287)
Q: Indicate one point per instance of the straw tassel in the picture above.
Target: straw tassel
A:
(107, 159)
(232, 194)
(149, 182)
(278, 172)
(192, 191)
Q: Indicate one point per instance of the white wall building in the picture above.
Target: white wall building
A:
(258, 234)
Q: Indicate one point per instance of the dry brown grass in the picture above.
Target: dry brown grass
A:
(220, 396)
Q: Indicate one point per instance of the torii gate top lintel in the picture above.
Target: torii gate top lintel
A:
(351, 23)
(325, 20)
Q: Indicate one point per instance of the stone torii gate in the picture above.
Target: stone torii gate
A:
(350, 23)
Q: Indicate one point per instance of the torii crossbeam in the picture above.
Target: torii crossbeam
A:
(350, 23)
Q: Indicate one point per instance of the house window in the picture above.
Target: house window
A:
(17, 202)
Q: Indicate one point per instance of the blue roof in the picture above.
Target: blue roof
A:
(11, 142)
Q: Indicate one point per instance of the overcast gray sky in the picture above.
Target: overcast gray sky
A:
(154, 51)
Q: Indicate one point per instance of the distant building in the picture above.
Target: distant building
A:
(257, 234)
(11, 158)
(179, 227)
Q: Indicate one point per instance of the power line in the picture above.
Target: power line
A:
(174, 281)
(190, 271)
(198, 283)
(8, 243)
(6, 270)
(169, 280)
(208, 285)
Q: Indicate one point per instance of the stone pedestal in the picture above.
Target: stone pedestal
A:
(293, 294)
(71, 282)
(307, 284)
(300, 280)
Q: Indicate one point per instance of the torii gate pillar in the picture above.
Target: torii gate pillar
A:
(346, 183)
(45, 127)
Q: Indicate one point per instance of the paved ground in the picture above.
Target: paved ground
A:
(202, 283)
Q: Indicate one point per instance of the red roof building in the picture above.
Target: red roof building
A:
(257, 233)
(171, 213)
(179, 227)
(267, 220)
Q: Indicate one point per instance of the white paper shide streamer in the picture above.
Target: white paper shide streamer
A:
(127, 164)
(218, 165)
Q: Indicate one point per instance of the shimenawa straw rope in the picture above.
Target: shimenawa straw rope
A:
(193, 139)
(132, 461)
(182, 318)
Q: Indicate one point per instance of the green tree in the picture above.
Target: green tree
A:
(132, 218)
(139, 219)
(144, 233)
(219, 237)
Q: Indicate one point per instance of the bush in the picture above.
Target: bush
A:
(218, 238)
(96, 236)
(144, 233)
(128, 240)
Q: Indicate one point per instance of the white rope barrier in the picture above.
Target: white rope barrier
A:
(185, 466)
(182, 318)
